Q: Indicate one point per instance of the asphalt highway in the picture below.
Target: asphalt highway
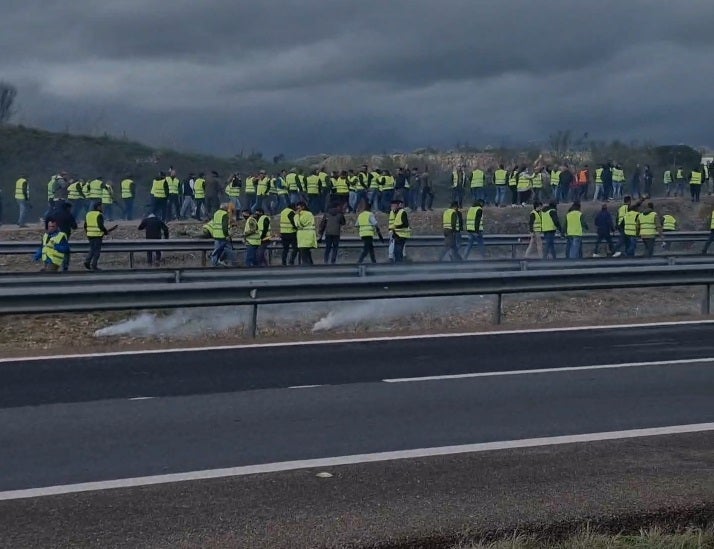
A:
(94, 419)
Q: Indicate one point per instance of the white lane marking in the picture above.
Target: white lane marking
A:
(352, 460)
(551, 370)
(141, 398)
(303, 386)
(354, 340)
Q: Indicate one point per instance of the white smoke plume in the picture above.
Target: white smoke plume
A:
(382, 314)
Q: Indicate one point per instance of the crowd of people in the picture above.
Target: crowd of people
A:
(297, 199)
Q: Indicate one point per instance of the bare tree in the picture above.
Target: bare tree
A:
(8, 92)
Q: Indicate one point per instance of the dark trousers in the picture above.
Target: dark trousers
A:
(306, 256)
(427, 198)
(368, 249)
(695, 190)
(332, 244)
(172, 207)
(151, 255)
(514, 194)
(451, 246)
(158, 207)
(95, 250)
(607, 238)
(399, 243)
(199, 207)
(649, 244)
(289, 242)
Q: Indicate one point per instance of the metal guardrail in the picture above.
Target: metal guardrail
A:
(255, 292)
(205, 246)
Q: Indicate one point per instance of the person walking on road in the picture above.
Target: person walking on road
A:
(96, 231)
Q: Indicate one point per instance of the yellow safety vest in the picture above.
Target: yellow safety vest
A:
(621, 213)
(403, 232)
(51, 187)
(477, 179)
(173, 184)
(73, 191)
(49, 251)
(157, 188)
(538, 181)
(264, 225)
(91, 224)
(95, 189)
(20, 189)
(250, 232)
(127, 190)
(250, 185)
(500, 177)
(546, 222)
(471, 219)
(306, 236)
(233, 190)
(455, 178)
(389, 182)
(107, 194)
(648, 224)
(575, 224)
(524, 183)
(376, 181)
(263, 186)
(365, 227)
(598, 175)
(285, 226)
(392, 217)
(341, 186)
(667, 177)
(292, 182)
(513, 180)
(712, 222)
(669, 223)
(555, 178)
(217, 225)
(631, 223)
(618, 175)
(313, 184)
(680, 174)
(199, 188)
(696, 178)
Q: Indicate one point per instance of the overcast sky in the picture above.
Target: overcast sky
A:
(312, 76)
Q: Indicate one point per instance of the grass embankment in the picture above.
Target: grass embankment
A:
(652, 538)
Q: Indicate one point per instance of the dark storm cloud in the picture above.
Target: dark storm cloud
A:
(310, 75)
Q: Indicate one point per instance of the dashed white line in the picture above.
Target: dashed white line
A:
(303, 386)
(553, 370)
(141, 398)
(351, 460)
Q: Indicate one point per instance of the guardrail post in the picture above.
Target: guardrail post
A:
(254, 321)
(513, 251)
(362, 270)
(177, 276)
(131, 260)
(203, 258)
(671, 260)
(524, 265)
(706, 305)
(497, 310)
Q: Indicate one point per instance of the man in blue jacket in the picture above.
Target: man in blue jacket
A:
(605, 227)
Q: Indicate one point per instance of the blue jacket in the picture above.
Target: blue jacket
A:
(603, 223)
(62, 247)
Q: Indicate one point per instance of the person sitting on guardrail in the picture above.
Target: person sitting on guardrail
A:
(575, 226)
(306, 235)
(453, 223)
(549, 224)
(96, 231)
(669, 225)
(648, 227)
(54, 247)
(154, 228)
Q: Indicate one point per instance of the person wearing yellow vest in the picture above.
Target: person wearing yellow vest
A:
(695, 183)
(173, 206)
(453, 224)
(711, 234)
(232, 190)
(524, 186)
(281, 191)
(458, 177)
(293, 180)
(251, 236)
(680, 180)
(341, 190)
(537, 184)
(549, 224)
(621, 246)
(401, 231)
(500, 179)
(555, 184)
(474, 227)
(667, 179)
(53, 249)
(313, 187)
(669, 225)
(535, 229)
(265, 237)
(575, 226)
(199, 194)
(127, 188)
(513, 185)
(222, 254)
(288, 235)
(159, 194)
(648, 227)
(96, 231)
(630, 228)
(22, 197)
(306, 235)
(108, 200)
(599, 184)
(75, 196)
(368, 230)
(478, 184)
(618, 181)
